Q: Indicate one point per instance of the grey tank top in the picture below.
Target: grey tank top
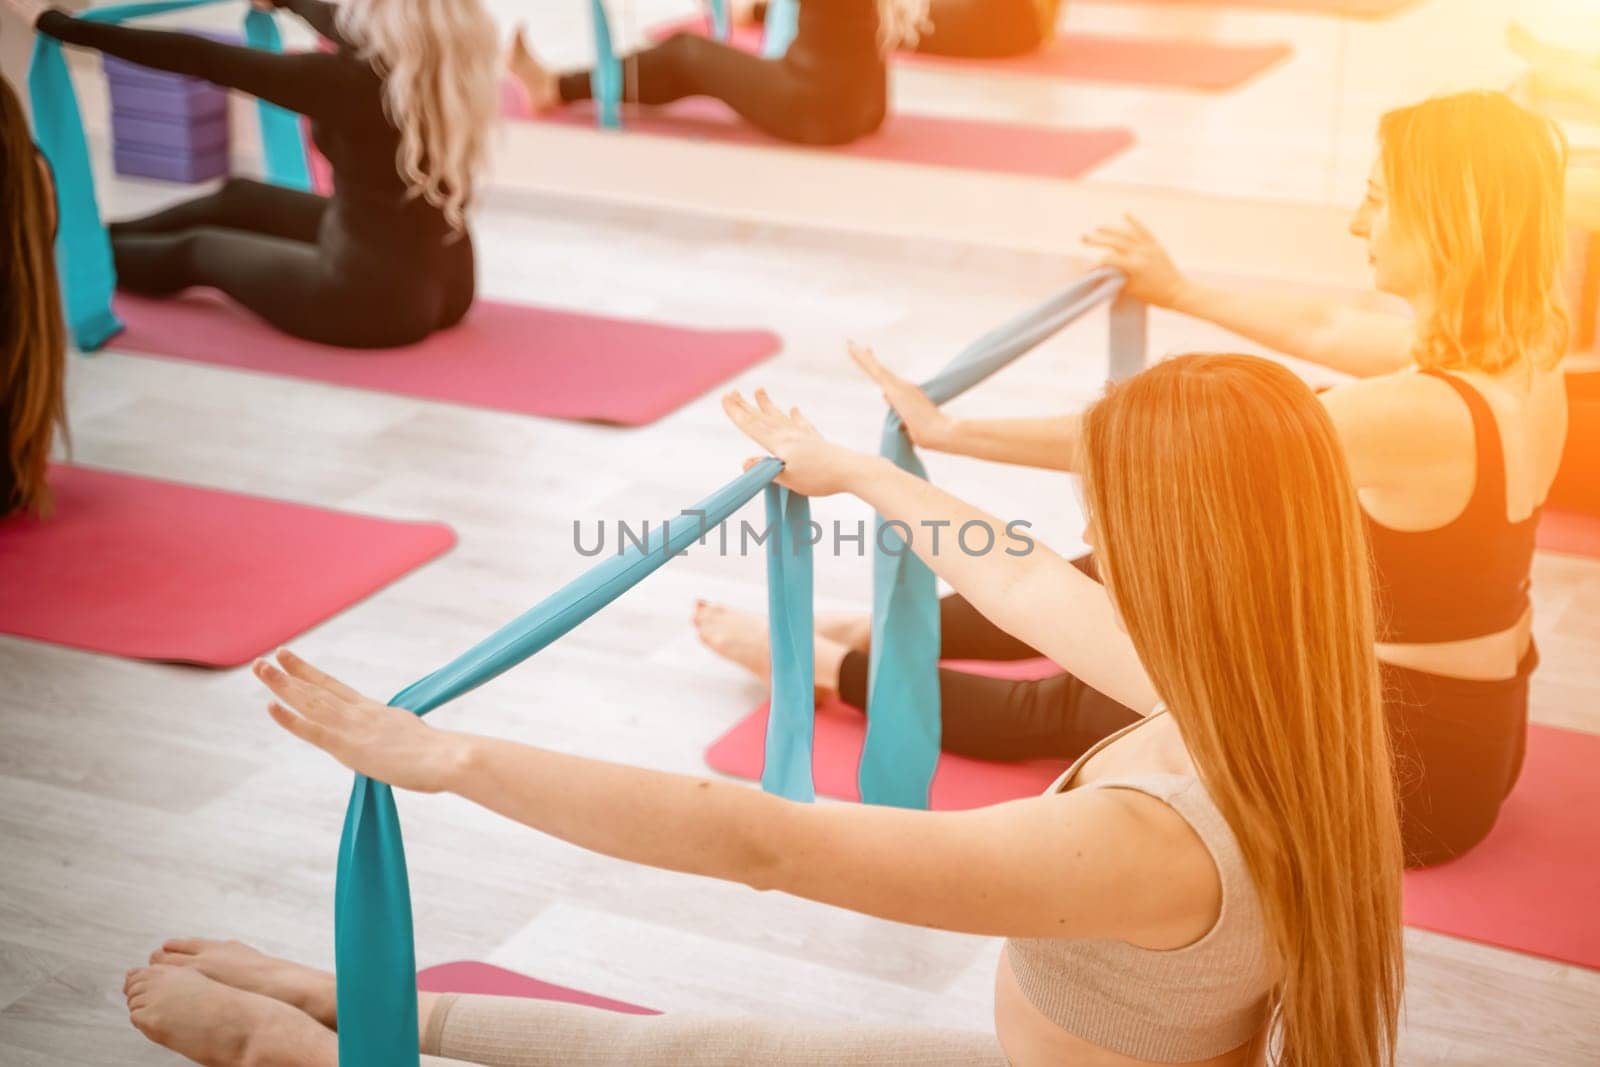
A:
(1168, 1006)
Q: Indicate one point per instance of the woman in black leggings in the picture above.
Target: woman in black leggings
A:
(829, 88)
(1453, 431)
(386, 260)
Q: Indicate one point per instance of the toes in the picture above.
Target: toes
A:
(188, 946)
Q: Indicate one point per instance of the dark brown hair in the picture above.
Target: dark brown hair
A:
(32, 332)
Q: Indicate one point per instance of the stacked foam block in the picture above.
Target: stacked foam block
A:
(166, 125)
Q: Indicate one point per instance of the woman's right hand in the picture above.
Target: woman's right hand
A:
(1134, 250)
(29, 11)
(811, 465)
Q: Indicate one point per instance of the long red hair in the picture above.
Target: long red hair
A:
(32, 333)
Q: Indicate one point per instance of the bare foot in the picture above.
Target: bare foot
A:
(218, 1026)
(742, 638)
(541, 87)
(851, 629)
(735, 635)
(233, 963)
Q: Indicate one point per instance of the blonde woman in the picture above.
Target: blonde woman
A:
(402, 110)
(1453, 433)
(1220, 879)
(32, 333)
(829, 88)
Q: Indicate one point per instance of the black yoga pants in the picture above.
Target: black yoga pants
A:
(996, 719)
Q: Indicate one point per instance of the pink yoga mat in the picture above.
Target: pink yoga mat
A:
(1532, 885)
(840, 730)
(508, 357)
(1570, 532)
(964, 144)
(156, 570)
(1158, 61)
(483, 979)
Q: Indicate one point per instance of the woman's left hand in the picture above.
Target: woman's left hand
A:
(29, 11)
(387, 744)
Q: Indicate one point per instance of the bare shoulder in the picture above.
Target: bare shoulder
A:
(1396, 426)
(1162, 883)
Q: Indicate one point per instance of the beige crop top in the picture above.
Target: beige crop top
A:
(1168, 1006)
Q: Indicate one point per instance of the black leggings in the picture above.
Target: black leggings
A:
(1458, 748)
(1458, 744)
(996, 719)
(280, 253)
(982, 29)
(828, 100)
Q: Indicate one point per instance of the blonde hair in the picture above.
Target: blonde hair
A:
(1230, 539)
(439, 63)
(33, 342)
(1480, 183)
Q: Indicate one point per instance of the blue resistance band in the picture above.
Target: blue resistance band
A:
(721, 22)
(83, 248)
(374, 948)
(781, 27)
(902, 745)
(605, 77)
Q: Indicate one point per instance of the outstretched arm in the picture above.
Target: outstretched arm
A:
(302, 82)
(1347, 339)
(1049, 442)
(1028, 591)
(1097, 863)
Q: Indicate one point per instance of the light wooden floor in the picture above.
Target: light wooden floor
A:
(139, 801)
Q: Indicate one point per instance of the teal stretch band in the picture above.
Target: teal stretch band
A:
(903, 725)
(374, 948)
(605, 77)
(721, 23)
(786, 770)
(83, 247)
(283, 142)
(781, 27)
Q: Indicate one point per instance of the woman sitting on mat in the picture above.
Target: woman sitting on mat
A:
(1220, 879)
(975, 29)
(387, 259)
(1453, 435)
(32, 400)
(829, 88)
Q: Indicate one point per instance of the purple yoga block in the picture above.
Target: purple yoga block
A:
(187, 99)
(138, 162)
(142, 132)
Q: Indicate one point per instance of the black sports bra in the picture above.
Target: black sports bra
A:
(1468, 577)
